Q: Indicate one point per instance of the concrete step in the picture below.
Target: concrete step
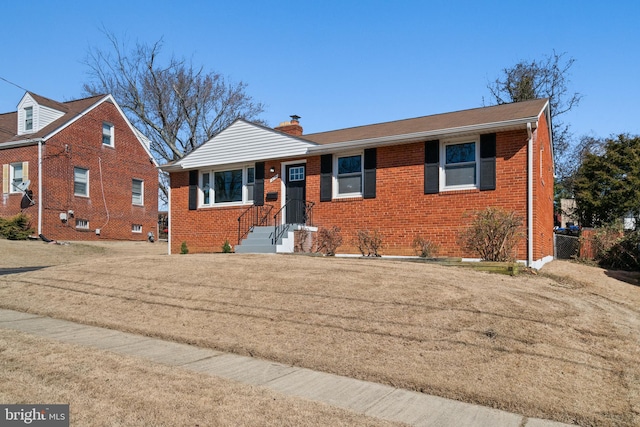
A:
(255, 248)
(259, 240)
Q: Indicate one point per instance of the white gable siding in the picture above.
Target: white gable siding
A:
(46, 116)
(244, 142)
(27, 101)
(42, 116)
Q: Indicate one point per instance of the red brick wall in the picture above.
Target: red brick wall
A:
(400, 210)
(10, 202)
(111, 170)
(543, 192)
(206, 229)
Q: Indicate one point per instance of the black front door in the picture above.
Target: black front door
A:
(296, 193)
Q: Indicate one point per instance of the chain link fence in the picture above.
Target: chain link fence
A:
(565, 247)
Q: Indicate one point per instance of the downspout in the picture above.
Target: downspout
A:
(170, 233)
(529, 196)
(40, 192)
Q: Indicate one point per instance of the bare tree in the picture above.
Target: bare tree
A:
(545, 78)
(176, 105)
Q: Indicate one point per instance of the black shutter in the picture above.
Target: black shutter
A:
(432, 167)
(488, 161)
(258, 186)
(326, 177)
(193, 190)
(369, 173)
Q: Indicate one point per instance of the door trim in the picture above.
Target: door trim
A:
(283, 185)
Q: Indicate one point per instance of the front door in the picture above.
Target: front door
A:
(296, 193)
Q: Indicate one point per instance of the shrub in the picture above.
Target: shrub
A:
(424, 248)
(329, 239)
(606, 238)
(226, 247)
(184, 249)
(623, 254)
(16, 228)
(368, 243)
(493, 234)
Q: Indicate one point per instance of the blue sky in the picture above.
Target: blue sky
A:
(343, 63)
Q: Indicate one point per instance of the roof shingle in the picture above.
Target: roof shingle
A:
(476, 116)
(72, 109)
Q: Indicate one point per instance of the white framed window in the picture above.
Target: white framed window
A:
(82, 224)
(460, 165)
(28, 118)
(136, 228)
(205, 185)
(137, 192)
(348, 175)
(251, 181)
(81, 182)
(227, 187)
(107, 134)
(16, 177)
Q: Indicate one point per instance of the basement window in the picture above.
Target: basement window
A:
(82, 224)
(136, 228)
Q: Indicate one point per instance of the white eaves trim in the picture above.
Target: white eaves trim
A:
(22, 143)
(422, 136)
(243, 142)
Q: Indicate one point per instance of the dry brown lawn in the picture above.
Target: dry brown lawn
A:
(563, 344)
(105, 389)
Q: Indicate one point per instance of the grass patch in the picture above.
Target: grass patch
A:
(526, 344)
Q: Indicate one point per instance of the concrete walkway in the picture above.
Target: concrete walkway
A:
(364, 397)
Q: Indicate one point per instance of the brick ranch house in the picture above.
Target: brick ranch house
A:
(78, 169)
(420, 176)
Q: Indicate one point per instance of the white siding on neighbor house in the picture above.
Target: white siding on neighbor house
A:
(46, 116)
(42, 116)
(245, 142)
(27, 101)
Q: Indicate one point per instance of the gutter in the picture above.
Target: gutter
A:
(22, 143)
(530, 196)
(40, 192)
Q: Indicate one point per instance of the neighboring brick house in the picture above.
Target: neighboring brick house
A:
(420, 176)
(78, 169)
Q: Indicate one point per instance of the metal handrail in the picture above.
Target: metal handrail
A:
(252, 217)
(281, 228)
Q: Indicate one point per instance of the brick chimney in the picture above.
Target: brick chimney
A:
(291, 127)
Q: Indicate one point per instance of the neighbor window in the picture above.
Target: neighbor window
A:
(81, 182)
(82, 224)
(229, 186)
(136, 228)
(28, 118)
(16, 177)
(107, 134)
(460, 168)
(349, 175)
(137, 192)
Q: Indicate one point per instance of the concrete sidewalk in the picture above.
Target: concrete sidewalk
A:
(364, 397)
